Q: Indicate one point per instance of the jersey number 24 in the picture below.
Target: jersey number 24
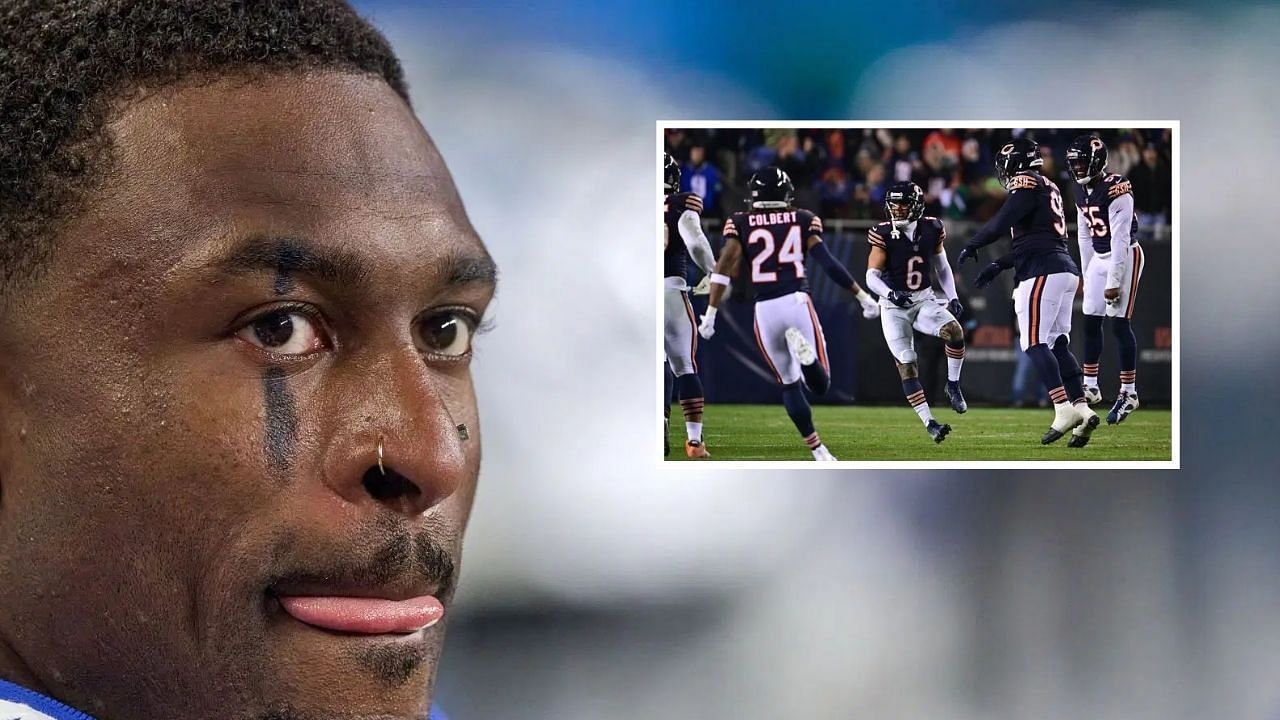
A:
(790, 253)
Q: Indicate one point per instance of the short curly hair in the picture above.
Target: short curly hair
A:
(63, 63)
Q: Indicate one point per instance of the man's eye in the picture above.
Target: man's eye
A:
(284, 333)
(446, 334)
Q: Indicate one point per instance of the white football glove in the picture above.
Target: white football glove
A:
(707, 327)
(703, 287)
(870, 309)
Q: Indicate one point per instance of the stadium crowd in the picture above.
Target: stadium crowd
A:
(843, 173)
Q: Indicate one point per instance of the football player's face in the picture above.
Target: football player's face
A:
(898, 211)
(1079, 167)
(277, 278)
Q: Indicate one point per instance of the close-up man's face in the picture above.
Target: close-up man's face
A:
(238, 435)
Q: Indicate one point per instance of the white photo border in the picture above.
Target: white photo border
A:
(1175, 461)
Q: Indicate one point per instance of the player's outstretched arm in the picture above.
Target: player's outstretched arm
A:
(725, 270)
(1014, 209)
(948, 282)
(876, 260)
(1121, 216)
(840, 274)
(690, 224)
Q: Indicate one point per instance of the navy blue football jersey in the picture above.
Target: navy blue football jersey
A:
(910, 258)
(676, 257)
(775, 244)
(1033, 215)
(1095, 203)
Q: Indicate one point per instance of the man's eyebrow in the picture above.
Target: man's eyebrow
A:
(470, 269)
(287, 257)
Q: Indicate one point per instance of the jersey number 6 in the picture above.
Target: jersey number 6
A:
(915, 278)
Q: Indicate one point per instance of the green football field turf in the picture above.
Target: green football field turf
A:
(764, 432)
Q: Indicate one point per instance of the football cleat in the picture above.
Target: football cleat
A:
(1065, 419)
(1080, 435)
(822, 454)
(937, 430)
(956, 397)
(801, 346)
(1125, 404)
(695, 450)
(666, 438)
(1092, 394)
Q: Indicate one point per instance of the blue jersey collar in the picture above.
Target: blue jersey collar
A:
(19, 703)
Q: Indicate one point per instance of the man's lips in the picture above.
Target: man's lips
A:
(365, 615)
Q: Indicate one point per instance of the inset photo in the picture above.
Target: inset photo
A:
(906, 293)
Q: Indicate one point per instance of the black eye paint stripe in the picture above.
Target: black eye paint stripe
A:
(281, 409)
(282, 420)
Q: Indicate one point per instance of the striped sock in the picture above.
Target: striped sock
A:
(693, 417)
(914, 391)
(1128, 381)
(812, 440)
(1058, 396)
(1090, 374)
(955, 359)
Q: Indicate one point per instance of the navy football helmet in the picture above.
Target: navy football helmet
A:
(770, 187)
(1086, 158)
(1018, 155)
(670, 174)
(904, 202)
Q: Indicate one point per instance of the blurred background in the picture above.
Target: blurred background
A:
(843, 174)
(597, 586)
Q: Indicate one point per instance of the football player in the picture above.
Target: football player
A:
(1112, 262)
(776, 237)
(682, 214)
(1047, 279)
(905, 253)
